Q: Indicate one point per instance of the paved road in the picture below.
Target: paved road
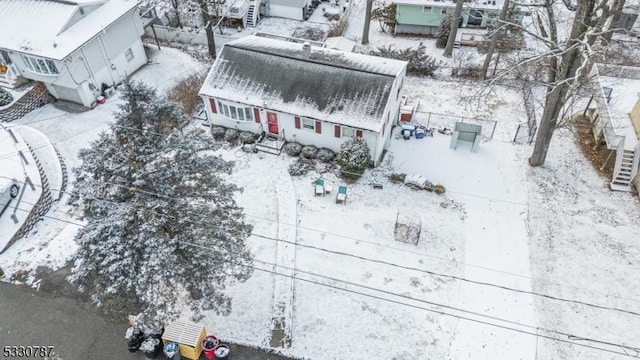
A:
(72, 327)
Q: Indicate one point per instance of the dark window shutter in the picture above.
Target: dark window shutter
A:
(337, 131)
(212, 102)
(318, 127)
(256, 114)
(359, 133)
(297, 121)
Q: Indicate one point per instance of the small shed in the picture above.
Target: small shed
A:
(466, 132)
(189, 336)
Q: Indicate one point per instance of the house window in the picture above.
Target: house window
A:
(235, 112)
(40, 66)
(427, 9)
(128, 54)
(348, 132)
(308, 124)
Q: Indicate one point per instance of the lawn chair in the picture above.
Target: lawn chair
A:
(319, 187)
(341, 196)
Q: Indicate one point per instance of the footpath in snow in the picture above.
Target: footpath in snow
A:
(284, 284)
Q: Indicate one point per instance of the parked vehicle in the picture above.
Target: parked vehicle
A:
(9, 189)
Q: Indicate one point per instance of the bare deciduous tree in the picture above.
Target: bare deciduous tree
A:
(448, 50)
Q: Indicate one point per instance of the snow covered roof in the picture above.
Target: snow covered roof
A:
(54, 29)
(624, 82)
(340, 43)
(476, 4)
(336, 86)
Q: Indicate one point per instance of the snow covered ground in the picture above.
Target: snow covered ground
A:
(492, 249)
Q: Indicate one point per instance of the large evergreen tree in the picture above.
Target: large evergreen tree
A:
(162, 228)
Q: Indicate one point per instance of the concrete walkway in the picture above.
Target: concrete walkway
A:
(33, 99)
(73, 328)
(284, 286)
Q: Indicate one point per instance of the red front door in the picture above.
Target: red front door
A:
(272, 122)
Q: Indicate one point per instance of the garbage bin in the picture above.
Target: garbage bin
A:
(151, 347)
(134, 337)
(209, 345)
(222, 351)
(172, 351)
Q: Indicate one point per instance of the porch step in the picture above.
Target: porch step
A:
(6, 83)
(270, 146)
(620, 187)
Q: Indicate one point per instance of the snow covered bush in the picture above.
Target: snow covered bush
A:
(326, 155)
(247, 137)
(322, 167)
(163, 230)
(5, 97)
(309, 152)
(218, 132)
(293, 149)
(353, 158)
(231, 135)
(419, 62)
(301, 167)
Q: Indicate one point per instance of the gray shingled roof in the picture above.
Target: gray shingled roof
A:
(344, 88)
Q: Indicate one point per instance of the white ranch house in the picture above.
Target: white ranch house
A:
(73, 47)
(614, 111)
(302, 93)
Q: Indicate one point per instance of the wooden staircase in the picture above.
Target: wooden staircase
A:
(626, 171)
(252, 14)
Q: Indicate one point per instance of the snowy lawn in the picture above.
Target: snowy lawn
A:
(51, 242)
(359, 293)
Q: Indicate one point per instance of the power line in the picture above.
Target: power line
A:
(433, 273)
(568, 335)
(551, 297)
(571, 336)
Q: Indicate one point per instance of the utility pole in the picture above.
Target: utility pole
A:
(497, 35)
(367, 21)
(448, 50)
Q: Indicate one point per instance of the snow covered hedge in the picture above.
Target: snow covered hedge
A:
(309, 152)
(293, 149)
(247, 137)
(301, 167)
(353, 158)
(231, 135)
(5, 97)
(218, 132)
(326, 155)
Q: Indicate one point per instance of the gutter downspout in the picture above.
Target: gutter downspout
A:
(88, 66)
(105, 56)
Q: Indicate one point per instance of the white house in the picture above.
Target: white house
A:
(75, 47)
(290, 9)
(614, 111)
(297, 92)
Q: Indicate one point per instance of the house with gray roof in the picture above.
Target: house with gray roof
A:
(303, 93)
(75, 47)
